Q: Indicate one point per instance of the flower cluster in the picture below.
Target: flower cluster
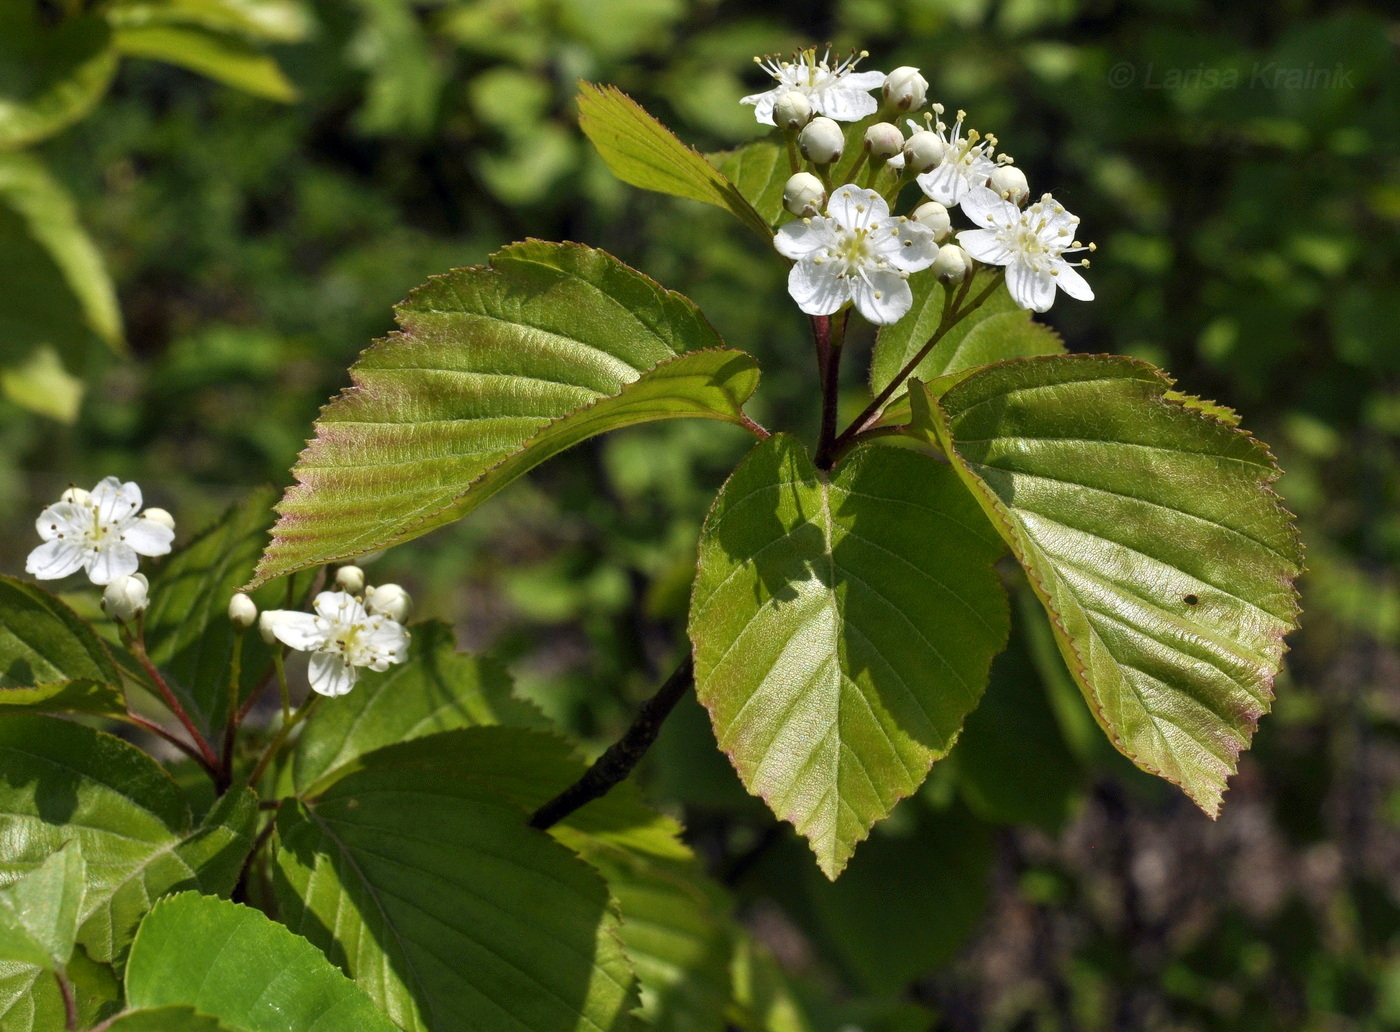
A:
(350, 629)
(849, 248)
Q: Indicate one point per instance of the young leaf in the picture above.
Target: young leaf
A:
(188, 631)
(62, 782)
(437, 689)
(51, 76)
(39, 912)
(393, 870)
(992, 332)
(1153, 538)
(641, 151)
(843, 628)
(239, 966)
(496, 369)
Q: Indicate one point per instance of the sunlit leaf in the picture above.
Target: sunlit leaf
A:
(496, 369)
(641, 151)
(276, 21)
(843, 628)
(39, 912)
(1153, 538)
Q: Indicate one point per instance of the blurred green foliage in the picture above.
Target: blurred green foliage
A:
(252, 184)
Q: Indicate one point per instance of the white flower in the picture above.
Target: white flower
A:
(1031, 244)
(100, 533)
(341, 636)
(857, 252)
(966, 161)
(838, 92)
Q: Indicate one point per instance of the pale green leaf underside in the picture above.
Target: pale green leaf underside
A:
(63, 782)
(39, 912)
(843, 628)
(451, 913)
(994, 331)
(237, 965)
(496, 369)
(641, 151)
(1152, 536)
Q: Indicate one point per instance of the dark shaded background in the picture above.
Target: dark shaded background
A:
(1236, 164)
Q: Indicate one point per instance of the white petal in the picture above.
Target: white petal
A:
(910, 247)
(54, 559)
(113, 559)
(803, 237)
(147, 537)
(985, 246)
(942, 184)
(845, 104)
(1030, 289)
(816, 288)
(330, 674)
(851, 207)
(894, 300)
(763, 105)
(388, 638)
(1073, 284)
(114, 500)
(66, 519)
(340, 606)
(983, 206)
(300, 631)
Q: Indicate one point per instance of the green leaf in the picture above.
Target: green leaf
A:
(239, 966)
(41, 384)
(497, 369)
(759, 172)
(62, 782)
(641, 151)
(222, 57)
(276, 21)
(188, 632)
(51, 76)
(843, 628)
(437, 689)
(436, 897)
(55, 293)
(994, 331)
(50, 658)
(39, 912)
(167, 1019)
(763, 999)
(30, 1000)
(1153, 538)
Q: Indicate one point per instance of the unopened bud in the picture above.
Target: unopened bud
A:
(125, 597)
(159, 516)
(935, 217)
(905, 88)
(351, 579)
(804, 195)
(1009, 183)
(76, 495)
(388, 600)
(884, 140)
(923, 151)
(821, 141)
(242, 611)
(792, 111)
(265, 621)
(952, 264)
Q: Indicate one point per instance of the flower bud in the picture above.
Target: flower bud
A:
(1009, 183)
(242, 611)
(159, 516)
(923, 150)
(804, 195)
(388, 600)
(125, 597)
(265, 622)
(935, 217)
(884, 140)
(792, 110)
(905, 88)
(952, 264)
(821, 141)
(76, 495)
(351, 579)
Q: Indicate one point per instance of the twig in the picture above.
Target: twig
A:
(830, 358)
(281, 736)
(624, 754)
(162, 733)
(70, 1005)
(137, 643)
